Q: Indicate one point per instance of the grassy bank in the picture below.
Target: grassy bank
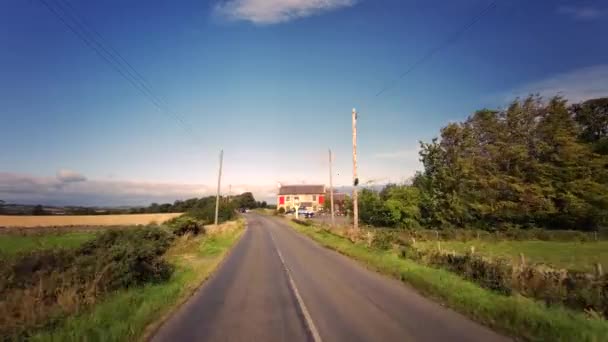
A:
(131, 314)
(513, 315)
(11, 244)
(580, 256)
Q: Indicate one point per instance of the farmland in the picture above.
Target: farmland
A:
(579, 256)
(85, 273)
(84, 220)
(12, 244)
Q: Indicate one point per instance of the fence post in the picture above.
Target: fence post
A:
(437, 234)
(413, 242)
(598, 270)
(472, 250)
(478, 235)
(439, 245)
(522, 259)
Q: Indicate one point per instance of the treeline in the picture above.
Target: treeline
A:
(537, 164)
(245, 200)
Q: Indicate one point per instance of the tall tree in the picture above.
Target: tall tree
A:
(524, 166)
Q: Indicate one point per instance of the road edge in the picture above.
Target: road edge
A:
(152, 329)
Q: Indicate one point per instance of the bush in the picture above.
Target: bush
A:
(464, 235)
(573, 289)
(384, 239)
(206, 213)
(42, 286)
(185, 225)
(281, 211)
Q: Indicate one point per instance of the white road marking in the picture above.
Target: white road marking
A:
(309, 322)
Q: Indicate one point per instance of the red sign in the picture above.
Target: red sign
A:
(321, 199)
(281, 200)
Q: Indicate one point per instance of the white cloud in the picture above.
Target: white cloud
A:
(276, 11)
(582, 12)
(69, 176)
(72, 188)
(576, 85)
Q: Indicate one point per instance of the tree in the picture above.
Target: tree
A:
(524, 166)
(245, 200)
(38, 210)
(165, 208)
(403, 204)
(592, 116)
(153, 208)
(372, 210)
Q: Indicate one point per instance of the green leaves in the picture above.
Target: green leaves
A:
(535, 163)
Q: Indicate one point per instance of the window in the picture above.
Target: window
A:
(288, 199)
(314, 197)
(296, 198)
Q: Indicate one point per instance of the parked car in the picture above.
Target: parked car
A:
(305, 212)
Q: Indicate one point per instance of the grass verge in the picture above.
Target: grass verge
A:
(12, 244)
(133, 314)
(513, 315)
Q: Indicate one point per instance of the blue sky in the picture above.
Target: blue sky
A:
(272, 82)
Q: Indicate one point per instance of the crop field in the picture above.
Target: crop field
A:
(86, 220)
(570, 255)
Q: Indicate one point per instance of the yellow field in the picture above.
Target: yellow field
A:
(85, 220)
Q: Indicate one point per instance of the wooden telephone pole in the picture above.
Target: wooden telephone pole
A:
(355, 179)
(219, 181)
(331, 191)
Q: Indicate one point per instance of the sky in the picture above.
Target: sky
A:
(272, 83)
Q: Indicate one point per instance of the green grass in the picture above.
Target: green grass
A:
(570, 255)
(512, 315)
(13, 244)
(133, 314)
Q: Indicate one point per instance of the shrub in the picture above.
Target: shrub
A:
(573, 289)
(281, 211)
(206, 213)
(499, 235)
(42, 286)
(384, 239)
(185, 225)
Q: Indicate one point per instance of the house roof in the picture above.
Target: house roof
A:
(302, 190)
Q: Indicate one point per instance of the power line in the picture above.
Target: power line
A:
(89, 29)
(449, 40)
(111, 56)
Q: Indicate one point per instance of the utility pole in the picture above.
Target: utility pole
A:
(355, 179)
(219, 181)
(331, 191)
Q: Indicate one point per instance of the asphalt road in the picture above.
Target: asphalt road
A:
(277, 285)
